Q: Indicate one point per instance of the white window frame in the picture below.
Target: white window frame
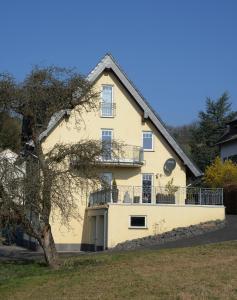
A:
(112, 136)
(103, 175)
(137, 227)
(152, 141)
(107, 129)
(112, 101)
(152, 188)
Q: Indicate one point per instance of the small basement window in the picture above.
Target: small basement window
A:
(137, 222)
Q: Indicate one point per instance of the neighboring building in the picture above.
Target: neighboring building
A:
(228, 150)
(151, 170)
(228, 142)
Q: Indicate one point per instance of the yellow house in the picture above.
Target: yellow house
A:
(146, 191)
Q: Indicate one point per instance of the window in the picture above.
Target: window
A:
(107, 179)
(107, 101)
(147, 180)
(106, 143)
(147, 140)
(137, 222)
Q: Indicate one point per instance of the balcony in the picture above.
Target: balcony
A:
(121, 155)
(156, 196)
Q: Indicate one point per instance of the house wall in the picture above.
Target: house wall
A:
(127, 127)
(228, 149)
(160, 218)
(102, 223)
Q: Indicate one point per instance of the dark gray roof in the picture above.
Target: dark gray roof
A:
(227, 138)
(108, 62)
(233, 121)
(54, 121)
(230, 133)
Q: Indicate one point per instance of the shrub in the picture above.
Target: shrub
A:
(221, 174)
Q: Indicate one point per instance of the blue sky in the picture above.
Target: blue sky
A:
(176, 52)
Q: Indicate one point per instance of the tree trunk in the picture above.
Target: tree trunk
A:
(48, 245)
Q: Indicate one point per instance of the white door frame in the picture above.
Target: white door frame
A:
(152, 184)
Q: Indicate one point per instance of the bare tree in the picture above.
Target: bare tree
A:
(50, 180)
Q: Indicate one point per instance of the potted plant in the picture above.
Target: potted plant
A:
(169, 196)
(171, 189)
(115, 191)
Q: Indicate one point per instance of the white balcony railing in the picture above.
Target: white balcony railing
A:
(124, 155)
(157, 195)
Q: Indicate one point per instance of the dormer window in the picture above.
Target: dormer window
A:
(107, 105)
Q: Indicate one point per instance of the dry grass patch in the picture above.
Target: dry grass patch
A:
(205, 272)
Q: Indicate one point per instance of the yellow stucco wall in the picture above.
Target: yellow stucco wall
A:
(160, 218)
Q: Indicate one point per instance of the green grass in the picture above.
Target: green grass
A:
(205, 272)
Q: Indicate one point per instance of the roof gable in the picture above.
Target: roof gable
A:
(108, 62)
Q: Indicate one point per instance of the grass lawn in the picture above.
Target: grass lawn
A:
(205, 272)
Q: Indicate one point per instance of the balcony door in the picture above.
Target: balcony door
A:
(147, 180)
(107, 136)
(106, 186)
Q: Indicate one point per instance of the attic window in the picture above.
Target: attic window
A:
(107, 106)
(147, 140)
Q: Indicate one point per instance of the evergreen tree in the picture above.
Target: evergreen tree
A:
(211, 126)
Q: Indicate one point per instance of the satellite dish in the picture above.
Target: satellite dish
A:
(169, 166)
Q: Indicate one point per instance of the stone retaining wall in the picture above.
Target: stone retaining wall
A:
(173, 235)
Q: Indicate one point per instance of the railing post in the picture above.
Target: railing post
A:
(177, 201)
(200, 196)
(152, 195)
(222, 196)
(133, 194)
(141, 193)
(133, 160)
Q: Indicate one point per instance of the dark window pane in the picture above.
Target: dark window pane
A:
(106, 105)
(147, 140)
(107, 94)
(106, 144)
(137, 221)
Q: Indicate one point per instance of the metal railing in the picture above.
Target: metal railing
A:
(202, 196)
(114, 153)
(157, 195)
(107, 109)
